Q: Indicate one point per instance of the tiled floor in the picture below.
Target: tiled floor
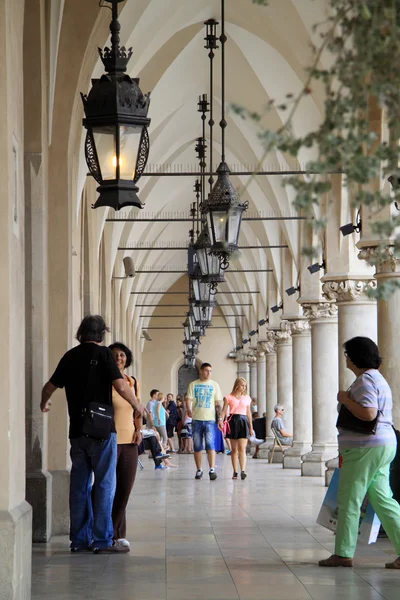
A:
(220, 540)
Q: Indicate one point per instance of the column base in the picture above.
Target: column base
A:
(263, 451)
(16, 552)
(331, 465)
(39, 496)
(60, 502)
(278, 455)
(292, 458)
(313, 464)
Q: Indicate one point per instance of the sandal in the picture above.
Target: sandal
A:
(235, 475)
(243, 475)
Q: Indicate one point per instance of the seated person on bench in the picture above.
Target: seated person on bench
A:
(278, 426)
(259, 436)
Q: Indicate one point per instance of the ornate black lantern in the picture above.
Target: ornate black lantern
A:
(224, 216)
(196, 328)
(222, 208)
(209, 264)
(192, 333)
(117, 141)
(201, 290)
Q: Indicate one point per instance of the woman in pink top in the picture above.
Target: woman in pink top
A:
(240, 424)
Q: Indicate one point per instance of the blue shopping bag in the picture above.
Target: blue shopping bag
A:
(369, 524)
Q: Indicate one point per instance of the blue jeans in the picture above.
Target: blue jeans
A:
(90, 509)
(204, 429)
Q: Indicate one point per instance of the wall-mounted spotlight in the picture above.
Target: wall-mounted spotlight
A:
(275, 309)
(146, 335)
(292, 290)
(316, 267)
(394, 181)
(232, 354)
(350, 228)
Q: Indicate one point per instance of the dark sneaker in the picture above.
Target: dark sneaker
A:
(212, 474)
(199, 474)
(162, 456)
(243, 475)
(115, 548)
(79, 549)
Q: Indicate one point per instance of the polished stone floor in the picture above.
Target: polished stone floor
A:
(223, 540)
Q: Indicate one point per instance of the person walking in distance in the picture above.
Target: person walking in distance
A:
(88, 372)
(204, 402)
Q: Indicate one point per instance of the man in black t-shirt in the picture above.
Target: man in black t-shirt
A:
(91, 526)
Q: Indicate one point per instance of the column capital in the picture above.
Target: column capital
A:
(384, 259)
(247, 356)
(300, 327)
(252, 355)
(261, 350)
(320, 310)
(348, 290)
(284, 335)
(269, 345)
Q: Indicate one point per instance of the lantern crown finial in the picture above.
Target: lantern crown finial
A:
(116, 58)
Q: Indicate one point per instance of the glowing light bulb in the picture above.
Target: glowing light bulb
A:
(114, 161)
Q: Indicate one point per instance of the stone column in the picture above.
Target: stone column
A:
(38, 479)
(324, 341)
(253, 375)
(15, 512)
(272, 380)
(387, 266)
(261, 381)
(302, 394)
(357, 315)
(243, 369)
(285, 373)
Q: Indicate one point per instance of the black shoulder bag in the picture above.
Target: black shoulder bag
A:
(346, 420)
(98, 418)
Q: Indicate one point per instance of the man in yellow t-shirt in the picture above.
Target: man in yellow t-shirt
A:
(204, 400)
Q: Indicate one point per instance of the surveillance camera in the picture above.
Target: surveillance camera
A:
(129, 267)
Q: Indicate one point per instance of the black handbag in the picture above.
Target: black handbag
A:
(98, 419)
(346, 420)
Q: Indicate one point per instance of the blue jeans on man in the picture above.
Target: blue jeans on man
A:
(206, 430)
(91, 502)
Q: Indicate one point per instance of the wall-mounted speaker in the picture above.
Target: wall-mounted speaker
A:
(129, 267)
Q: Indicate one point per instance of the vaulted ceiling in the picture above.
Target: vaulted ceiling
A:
(267, 53)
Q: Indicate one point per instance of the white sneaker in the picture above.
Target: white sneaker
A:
(124, 542)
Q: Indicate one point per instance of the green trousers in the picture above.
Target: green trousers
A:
(365, 470)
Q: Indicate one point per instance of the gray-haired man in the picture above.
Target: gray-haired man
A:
(278, 426)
